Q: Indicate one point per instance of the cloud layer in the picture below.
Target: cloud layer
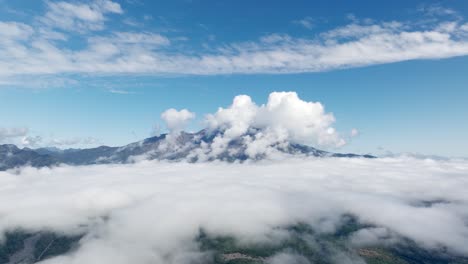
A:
(11, 133)
(150, 212)
(42, 47)
(24, 137)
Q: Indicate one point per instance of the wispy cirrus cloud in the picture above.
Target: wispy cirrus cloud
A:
(74, 141)
(79, 16)
(44, 50)
(435, 10)
(118, 91)
(306, 22)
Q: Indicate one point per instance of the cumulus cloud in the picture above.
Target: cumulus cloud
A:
(150, 212)
(175, 120)
(284, 119)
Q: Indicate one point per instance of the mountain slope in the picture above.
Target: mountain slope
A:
(189, 146)
(12, 156)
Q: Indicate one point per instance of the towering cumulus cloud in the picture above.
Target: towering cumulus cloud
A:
(153, 212)
(285, 118)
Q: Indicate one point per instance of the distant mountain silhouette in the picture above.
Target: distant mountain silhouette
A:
(163, 147)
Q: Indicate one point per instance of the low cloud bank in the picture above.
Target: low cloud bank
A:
(150, 212)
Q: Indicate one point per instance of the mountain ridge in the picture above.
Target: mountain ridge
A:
(174, 147)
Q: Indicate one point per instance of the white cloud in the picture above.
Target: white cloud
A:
(142, 38)
(284, 119)
(437, 10)
(236, 119)
(31, 141)
(289, 258)
(274, 38)
(464, 27)
(20, 136)
(303, 122)
(33, 51)
(118, 91)
(79, 16)
(306, 22)
(374, 236)
(67, 142)
(175, 120)
(150, 212)
(23, 137)
(12, 133)
(128, 38)
(41, 50)
(357, 31)
(11, 31)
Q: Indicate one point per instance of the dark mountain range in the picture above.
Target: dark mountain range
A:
(187, 146)
(11, 156)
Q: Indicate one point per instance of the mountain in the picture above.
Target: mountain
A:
(190, 146)
(11, 156)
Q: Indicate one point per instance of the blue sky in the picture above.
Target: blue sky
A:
(84, 73)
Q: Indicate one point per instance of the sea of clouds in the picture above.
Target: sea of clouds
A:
(150, 211)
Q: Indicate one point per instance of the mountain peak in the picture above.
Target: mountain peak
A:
(204, 145)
